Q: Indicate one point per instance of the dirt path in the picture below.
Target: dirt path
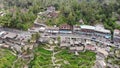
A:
(18, 57)
(53, 58)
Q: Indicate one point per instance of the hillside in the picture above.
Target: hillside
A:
(106, 12)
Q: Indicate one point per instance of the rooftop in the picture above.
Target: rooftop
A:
(65, 26)
(116, 32)
(102, 63)
(101, 28)
(76, 27)
(50, 8)
(10, 35)
(96, 28)
(102, 51)
(53, 28)
(118, 22)
(87, 27)
(2, 32)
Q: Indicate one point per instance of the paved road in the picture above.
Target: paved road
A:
(15, 31)
(26, 33)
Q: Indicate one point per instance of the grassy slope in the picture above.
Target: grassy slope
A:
(83, 60)
(6, 58)
(42, 58)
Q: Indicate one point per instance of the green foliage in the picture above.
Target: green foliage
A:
(6, 58)
(71, 11)
(18, 20)
(35, 37)
(20, 63)
(84, 60)
(42, 58)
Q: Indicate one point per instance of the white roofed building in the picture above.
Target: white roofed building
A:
(97, 30)
(86, 29)
(101, 31)
(53, 30)
(100, 28)
(37, 29)
(2, 33)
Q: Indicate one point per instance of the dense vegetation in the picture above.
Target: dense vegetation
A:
(6, 58)
(90, 11)
(18, 20)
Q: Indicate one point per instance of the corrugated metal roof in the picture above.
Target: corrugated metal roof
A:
(10, 35)
(96, 28)
(2, 32)
(101, 29)
(87, 27)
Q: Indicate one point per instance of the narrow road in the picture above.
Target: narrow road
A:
(53, 56)
(54, 60)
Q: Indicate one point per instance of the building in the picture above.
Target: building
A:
(117, 51)
(101, 31)
(117, 32)
(49, 13)
(100, 64)
(74, 44)
(37, 29)
(10, 35)
(65, 42)
(2, 13)
(36, 24)
(90, 47)
(43, 40)
(102, 52)
(118, 22)
(76, 48)
(97, 32)
(2, 33)
(4, 46)
(53, 14)
(116, 37)
(23, 37)
(51, 9)
(76, 28)
(52, 30)
(65, 29)
(81, 21)
(87, 30)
